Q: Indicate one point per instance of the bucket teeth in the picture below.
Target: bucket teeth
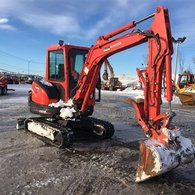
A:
(156, 158)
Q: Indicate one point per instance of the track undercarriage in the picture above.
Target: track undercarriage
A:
(62, 133)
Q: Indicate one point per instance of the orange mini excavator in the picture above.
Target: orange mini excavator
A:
(66, 98)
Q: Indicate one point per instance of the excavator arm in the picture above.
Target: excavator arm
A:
(159, 61)
(107, 66)
(166, 148)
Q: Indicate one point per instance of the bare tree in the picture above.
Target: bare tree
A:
(189, 69)
(193, 59)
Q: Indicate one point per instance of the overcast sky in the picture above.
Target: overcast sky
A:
(28, 27)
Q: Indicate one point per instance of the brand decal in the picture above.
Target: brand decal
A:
(112, 46)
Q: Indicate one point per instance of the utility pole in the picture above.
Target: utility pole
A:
(179, 41)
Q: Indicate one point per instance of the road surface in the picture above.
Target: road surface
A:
(29, 166)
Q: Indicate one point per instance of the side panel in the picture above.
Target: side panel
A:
(40, 96)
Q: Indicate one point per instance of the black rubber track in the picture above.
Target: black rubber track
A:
(73, 130)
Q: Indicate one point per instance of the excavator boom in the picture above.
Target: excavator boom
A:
(159, 39)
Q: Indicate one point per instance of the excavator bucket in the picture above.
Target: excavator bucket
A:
(156, 158)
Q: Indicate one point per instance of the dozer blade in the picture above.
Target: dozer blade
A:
(156, 158)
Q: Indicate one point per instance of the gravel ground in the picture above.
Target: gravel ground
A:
(29, 166)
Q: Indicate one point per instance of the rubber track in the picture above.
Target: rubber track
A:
(65, 132)
(106, 125)
(85, 126)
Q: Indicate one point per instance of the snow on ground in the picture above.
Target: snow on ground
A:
(20, 87)
(18, 96)
(128, 80)
(21, 91)
(131, 81)
(130, 92)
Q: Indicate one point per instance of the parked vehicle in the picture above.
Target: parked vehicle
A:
(3, 85)
(185, 88)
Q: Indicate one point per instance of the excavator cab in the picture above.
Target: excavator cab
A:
(186, 79)
(63, 68)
